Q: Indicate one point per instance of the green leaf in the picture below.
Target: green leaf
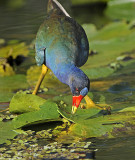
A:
(121, 9)
(96, 123)
(14, 50)
(6, 132)
(90, 30)
(128, 109)
(9, 84)
(47, 112)
(7, 70)
(23, 102)
(98, 72)
(12, 83)
(114, 40)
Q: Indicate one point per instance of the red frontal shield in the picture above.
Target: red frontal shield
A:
(77, 100)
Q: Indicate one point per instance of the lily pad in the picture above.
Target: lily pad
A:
(90, 29)
(47, 112)
(96, 123)
(114, 40)
(9, 84)
(23, 102)
(128, 109)
(2, 41)
(121, 9)
(6, 133)
(6, 69)
(14, 50)
(94, 73)
(12, 83)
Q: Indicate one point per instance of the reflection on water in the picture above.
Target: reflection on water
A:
(116, 149)
(123, 86)
(4, 105)
(22, 23)
(93, 13)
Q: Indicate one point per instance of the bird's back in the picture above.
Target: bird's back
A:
(60, 40)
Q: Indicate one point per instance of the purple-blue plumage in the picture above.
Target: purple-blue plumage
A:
(62, 45)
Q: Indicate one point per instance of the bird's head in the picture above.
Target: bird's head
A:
(79, 86)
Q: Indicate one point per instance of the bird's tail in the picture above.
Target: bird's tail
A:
(54, 4)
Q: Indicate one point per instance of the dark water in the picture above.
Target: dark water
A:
(116, 149)
(23, 22)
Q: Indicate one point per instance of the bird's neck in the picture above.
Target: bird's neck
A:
(68, 71)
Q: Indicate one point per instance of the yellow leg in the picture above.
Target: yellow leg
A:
(43, 73)
(91, 104)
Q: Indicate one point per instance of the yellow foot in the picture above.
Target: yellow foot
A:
(91, 104)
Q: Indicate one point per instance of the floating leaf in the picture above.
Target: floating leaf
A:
(2, 41)
(128, 109)
(112, 41)
(6, 70)
(99, 72)
(14, 50)
(90, 30)
(112, 30)
(23, 102)
(121, 9)
(6, 132)
(96, 123)
(47, 112)
(10, 84)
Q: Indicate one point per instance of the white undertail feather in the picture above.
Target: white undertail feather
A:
(60, 6)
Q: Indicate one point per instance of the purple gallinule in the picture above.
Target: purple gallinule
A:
(62, 46)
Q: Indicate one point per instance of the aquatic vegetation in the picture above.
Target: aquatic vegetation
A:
(110, 66)
(2, 41)
(16, 4)
(23, 102)
(95, 123)
(121, 9)
(14, 50)
(10, 84)
(100, 64)
(5, 69)
(47, 112)
(31, 144)
(87, 122)
(106, 45)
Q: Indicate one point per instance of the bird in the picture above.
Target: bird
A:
(62, 46)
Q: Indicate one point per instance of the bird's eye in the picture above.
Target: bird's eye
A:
(76, 92)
